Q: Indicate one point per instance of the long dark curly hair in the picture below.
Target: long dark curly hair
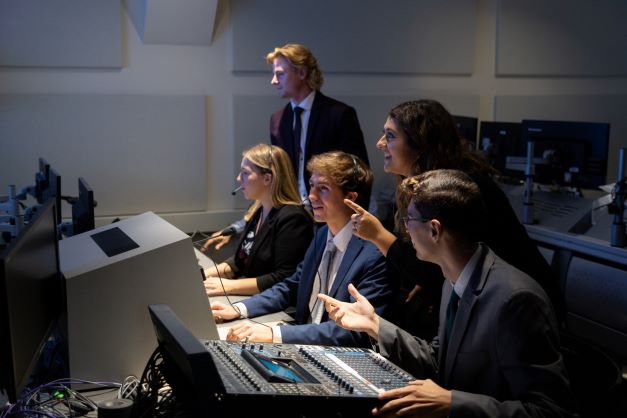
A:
(434, 142)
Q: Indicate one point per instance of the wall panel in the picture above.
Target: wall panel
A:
(138, 153)
(368, 36)
(61, 33)
(561, 38)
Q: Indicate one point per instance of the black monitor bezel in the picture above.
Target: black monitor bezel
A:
(83, 215)
(42, 306)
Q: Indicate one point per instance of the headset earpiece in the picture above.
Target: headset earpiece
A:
(352, 184)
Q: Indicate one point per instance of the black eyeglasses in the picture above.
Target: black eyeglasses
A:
(407, 219)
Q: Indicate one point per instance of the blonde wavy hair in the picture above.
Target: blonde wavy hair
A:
(274, 160)
(299, 56)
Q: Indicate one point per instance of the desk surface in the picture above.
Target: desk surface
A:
(223, 328)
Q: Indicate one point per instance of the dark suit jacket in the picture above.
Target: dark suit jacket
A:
(278, 248)
(504, 234)
(503, 358)
(332, 126)
(362, 264)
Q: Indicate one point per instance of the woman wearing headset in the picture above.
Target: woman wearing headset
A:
(276, 235)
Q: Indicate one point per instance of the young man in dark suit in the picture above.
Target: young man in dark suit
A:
(334, 259)
(311, 123)
(497, 349)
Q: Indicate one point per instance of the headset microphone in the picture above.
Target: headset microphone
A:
(235, 190)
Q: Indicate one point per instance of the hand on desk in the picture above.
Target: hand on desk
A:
(420, 398)
(215, 286)
(249, 331)
(223, 312)
(216, 239)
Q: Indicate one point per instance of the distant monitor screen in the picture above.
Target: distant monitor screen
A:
(467, 128)
(572, 154)
(53, 191)
(497, 141)
(83, 218)
(31, 298)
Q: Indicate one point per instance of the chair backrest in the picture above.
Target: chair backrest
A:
(595, 377)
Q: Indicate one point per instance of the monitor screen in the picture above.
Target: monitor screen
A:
(83, 208)
(41, 179)
(467, 128)
(572, 154)
(278, 369)
(31, 298)
(48, 186)
(499, 140)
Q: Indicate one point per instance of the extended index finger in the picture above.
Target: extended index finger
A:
(326, 298)
(354, 206)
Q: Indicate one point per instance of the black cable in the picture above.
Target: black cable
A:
(229, 300)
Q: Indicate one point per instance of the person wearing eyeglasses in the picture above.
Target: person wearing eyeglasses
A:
(497, 350)
(419, 136)
(276, 235)
(334, 259)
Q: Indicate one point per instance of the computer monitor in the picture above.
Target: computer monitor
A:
(187, 365)
(497, 141)
(31, 298)
(41, 179)
(83, 208)
(573, 154)
(467, 128)
(47, 186)
(53, 191)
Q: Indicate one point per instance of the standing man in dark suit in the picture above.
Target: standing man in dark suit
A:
(311, 123)
(497, 350)
(334, 259)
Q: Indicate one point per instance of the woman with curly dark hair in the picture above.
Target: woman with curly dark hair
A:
(419, 136)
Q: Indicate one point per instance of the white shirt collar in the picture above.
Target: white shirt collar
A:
(342, 238)
(464, 277)
(306, 103)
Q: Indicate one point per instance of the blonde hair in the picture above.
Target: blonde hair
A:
(273, 160)
(299, 56)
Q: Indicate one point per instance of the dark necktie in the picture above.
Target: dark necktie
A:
(316, 307)
(327, 265)
(298, 127)
(451, 311)
(298, 123)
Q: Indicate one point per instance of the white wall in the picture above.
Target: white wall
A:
(202, 77)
